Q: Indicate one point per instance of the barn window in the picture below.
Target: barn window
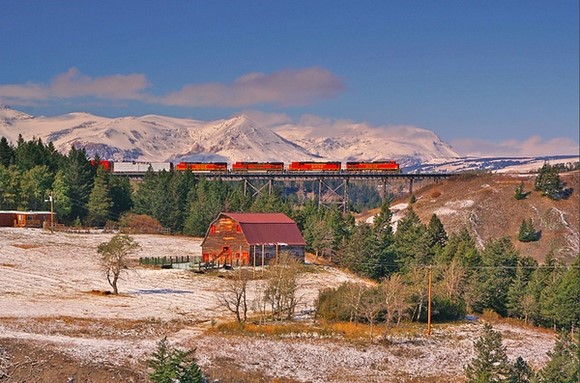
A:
(238, 229)
(212, 229)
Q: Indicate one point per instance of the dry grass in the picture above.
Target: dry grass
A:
(27, 245)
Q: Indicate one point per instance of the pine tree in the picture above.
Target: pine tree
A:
(548, 182)
(121, 192)
(411, 242)
(564, 363)
(566, 300)
(99, 204)
(492, 282)
(60, 190)
(527, 231)
(35, 184)
(519, 193)
(6, 152)
(79, 177)
(436, 231)
(518, 299)
(172, 365)
(521, 372)
(490, 364)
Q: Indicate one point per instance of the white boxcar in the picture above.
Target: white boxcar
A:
(140, 167)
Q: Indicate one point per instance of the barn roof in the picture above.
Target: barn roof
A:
(268, 228)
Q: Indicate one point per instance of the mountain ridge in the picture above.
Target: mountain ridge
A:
(162, 138)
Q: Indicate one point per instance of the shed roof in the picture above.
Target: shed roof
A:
(268, 228)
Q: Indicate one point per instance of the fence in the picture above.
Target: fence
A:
(170, 261)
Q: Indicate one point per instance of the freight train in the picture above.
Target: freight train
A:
(135, 167)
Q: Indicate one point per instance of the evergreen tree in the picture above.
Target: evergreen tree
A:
(490, 364)
(548, 182)
(60, 191)
(527, 231)
(99, 204)
(411, 242)
(10, 188)
(564, 365)
(205, 205)
(437, 234)
(521, 372)
(172, 365)
(121, 192)
(79, 176)
(566, 300)
(520, 193)
(6, 153)
(518, 300)
(358, 253)
(492, 282)
(384, 242)
(35, 185)
(460, 246)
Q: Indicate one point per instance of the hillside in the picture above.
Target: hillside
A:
(485, 203)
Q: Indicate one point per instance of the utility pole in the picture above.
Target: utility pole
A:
(51, 200)
(429, 299)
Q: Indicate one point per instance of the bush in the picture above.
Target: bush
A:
(139, 224)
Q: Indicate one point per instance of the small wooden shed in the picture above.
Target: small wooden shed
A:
(251, 239)
(17, 218)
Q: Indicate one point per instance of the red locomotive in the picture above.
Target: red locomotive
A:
(309, 166)
(202, 166)
(376, 166)
(258, 167)
(107, 165)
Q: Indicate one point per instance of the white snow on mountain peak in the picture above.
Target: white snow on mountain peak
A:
(162, 138)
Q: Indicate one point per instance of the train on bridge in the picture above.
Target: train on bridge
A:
(135, 167)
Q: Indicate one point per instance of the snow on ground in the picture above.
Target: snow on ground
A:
(47, 297)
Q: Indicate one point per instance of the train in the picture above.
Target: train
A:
(137, 167)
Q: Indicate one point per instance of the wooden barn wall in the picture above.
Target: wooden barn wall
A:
(226, 234)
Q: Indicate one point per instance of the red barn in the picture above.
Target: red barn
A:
(251, 239)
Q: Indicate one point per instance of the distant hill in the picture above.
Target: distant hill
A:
(485, 203)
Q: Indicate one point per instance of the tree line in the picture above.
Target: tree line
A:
(465, 277)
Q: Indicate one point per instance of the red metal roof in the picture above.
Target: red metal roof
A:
(259, 217)
(268, 228)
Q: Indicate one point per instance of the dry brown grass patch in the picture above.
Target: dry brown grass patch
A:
(27, 245)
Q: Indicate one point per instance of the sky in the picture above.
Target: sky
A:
(489, 77)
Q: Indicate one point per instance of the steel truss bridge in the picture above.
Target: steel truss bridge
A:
(329, 191)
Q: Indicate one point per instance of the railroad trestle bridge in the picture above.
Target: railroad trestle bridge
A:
(329, 191)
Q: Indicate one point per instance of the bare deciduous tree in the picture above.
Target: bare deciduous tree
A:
(397, 298)
(453, 280)
(354, 296)
(371, 305)
(114, 257)
(233, 296)
(281, 286)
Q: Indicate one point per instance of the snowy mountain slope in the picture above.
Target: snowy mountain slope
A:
(160, 138)
(491, 164)
(351, 141)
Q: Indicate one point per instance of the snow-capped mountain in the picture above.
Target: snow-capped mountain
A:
(160, 138)
(350, 142)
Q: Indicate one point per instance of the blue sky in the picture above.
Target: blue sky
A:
(485, 76)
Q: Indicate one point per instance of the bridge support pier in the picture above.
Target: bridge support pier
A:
(257, 189)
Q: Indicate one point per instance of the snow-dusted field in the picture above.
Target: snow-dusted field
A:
(47, 296)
